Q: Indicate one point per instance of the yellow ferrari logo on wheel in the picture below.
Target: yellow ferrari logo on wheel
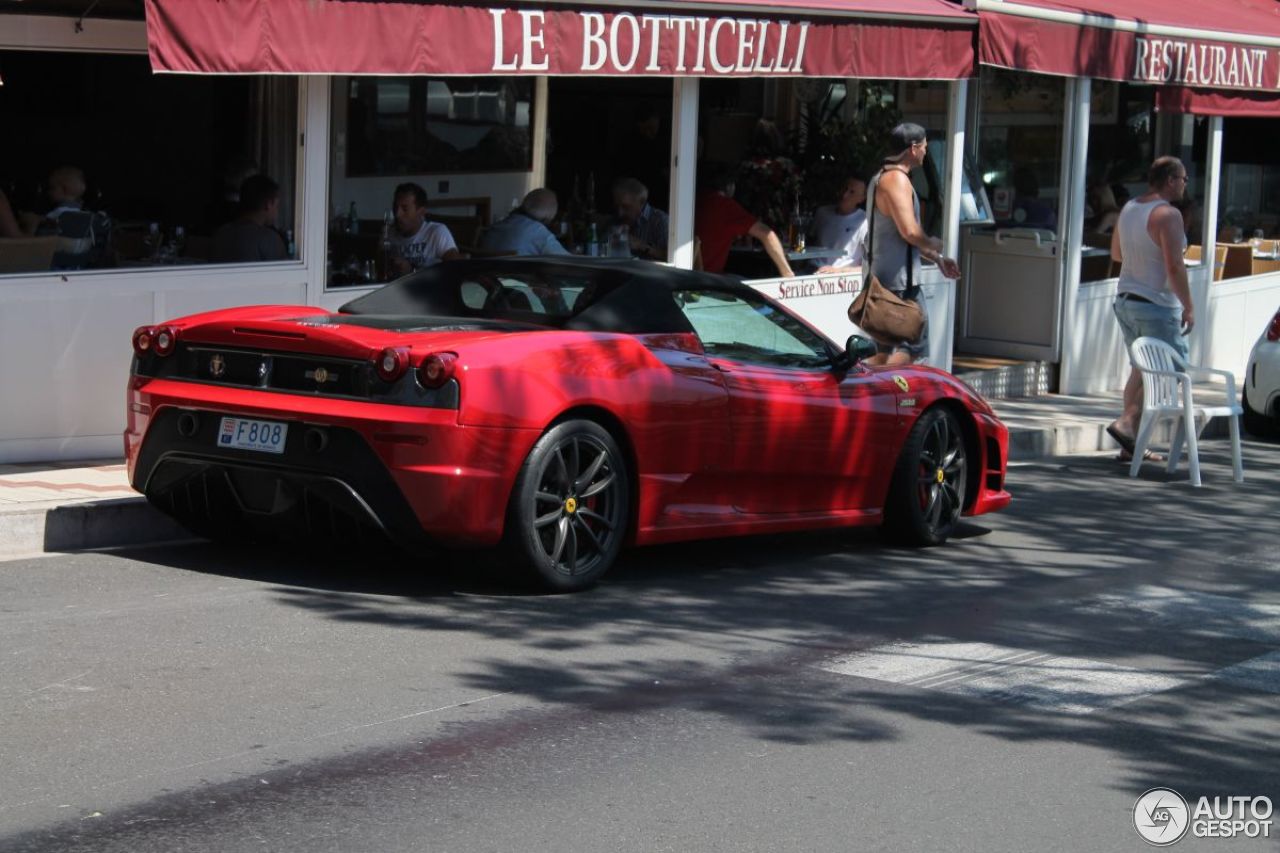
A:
(902, 383)
(941, 477)
(570, 505)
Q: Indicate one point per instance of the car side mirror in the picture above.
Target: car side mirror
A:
(856, 349)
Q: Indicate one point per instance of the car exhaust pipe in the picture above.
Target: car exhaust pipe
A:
(188, 425)
(315, 440)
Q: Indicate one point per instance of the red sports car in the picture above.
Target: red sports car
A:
(562, 408)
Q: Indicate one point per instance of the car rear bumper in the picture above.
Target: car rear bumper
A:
(349, 469)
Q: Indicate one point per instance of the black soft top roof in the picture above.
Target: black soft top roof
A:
(628, 296)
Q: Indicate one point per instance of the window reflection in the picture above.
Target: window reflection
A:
(106, 165)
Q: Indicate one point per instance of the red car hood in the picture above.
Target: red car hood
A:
(307, 329)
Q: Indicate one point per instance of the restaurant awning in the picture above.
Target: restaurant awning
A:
(1222, 46)
(902, 39)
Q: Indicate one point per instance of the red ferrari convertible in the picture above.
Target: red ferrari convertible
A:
(562, 408)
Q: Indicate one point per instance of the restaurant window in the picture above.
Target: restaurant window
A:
(107, 165)
(458, 141)
(794, 144)
(1122, 130)
(1020, 149)
(425, 125)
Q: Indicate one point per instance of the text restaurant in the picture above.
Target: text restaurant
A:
(1078, 97)
(179, 156)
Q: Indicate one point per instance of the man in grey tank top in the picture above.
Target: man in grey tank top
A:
(893, 211)
(1153, 298)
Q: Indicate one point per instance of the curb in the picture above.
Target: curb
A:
(34, 529)
(84, 526)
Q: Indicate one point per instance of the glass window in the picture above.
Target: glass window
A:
(751, 331)
(1121, 148)
(1020, 147)
(105, 164)
(420, 125)
(1249, 198)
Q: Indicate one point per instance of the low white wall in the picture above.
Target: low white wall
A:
(65, 346)
(1230, 315)
(823, 300)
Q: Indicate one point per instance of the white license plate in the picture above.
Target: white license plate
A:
(247, 434)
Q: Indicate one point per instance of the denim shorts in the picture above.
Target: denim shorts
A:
(1140, 319)
(919, 348)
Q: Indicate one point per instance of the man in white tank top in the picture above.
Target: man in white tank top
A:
(1153, 298)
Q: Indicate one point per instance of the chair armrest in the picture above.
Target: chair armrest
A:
(1172, 374)
(1208, 372)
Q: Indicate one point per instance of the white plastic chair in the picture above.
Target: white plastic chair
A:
(1166, 396)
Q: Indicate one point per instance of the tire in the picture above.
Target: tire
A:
(570, 507)
(928, 488)
(1256, 423)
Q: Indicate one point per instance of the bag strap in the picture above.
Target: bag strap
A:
(910, 291)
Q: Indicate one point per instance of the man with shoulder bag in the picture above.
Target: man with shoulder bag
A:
(891, 308)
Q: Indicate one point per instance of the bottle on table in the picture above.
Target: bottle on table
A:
(353, 220)
(593, 241)
(290, 247)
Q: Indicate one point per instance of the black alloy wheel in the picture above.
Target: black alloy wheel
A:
(928, 489)
(569, 509)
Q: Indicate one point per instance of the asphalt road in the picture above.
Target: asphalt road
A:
(1016, 690)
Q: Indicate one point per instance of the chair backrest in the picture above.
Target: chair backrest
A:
(1158, 392)
(1192, 253)
(27, 254)
(1264, 265)
(1237, 261)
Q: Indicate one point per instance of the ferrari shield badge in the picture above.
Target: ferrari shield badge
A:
(901, 382)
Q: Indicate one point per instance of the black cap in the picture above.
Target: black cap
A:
(901, 138)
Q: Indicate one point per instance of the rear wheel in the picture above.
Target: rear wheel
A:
(569, 509)
(1257, 423)
(927, 492)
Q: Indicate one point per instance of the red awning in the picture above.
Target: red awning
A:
(1181, 99)
(1215, 44)
(899, 39)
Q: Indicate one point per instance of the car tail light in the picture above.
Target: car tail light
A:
(142, 339)
(1273, 331)
(392, 363)
(437, 369)
(159, 340)
(166, 338)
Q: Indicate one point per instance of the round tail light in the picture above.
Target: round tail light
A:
(392, 363)
(437, 369)
(143, 338)
(166, 338)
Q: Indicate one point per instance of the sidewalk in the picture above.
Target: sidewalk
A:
(82, 505)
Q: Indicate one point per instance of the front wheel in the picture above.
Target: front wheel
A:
(927, 492)
(569, 510)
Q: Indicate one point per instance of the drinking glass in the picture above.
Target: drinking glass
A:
(619, 242)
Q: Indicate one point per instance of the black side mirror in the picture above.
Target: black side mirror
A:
(856, 349)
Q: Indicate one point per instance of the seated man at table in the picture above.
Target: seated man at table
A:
(83, 235)
(417, 242)
(524, 230)
(252, 236)
(718, 220)
(842, 225)
(646, 225)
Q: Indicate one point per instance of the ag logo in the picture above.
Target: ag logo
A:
(901, 382)
(1161, 816)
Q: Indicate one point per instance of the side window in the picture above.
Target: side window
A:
(751, 331)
